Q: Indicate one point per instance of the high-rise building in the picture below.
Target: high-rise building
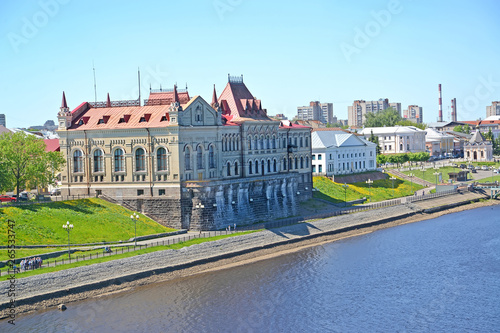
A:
(2, 120)
(316, 111)
(493, 109)
(357, 112)
(413, 113)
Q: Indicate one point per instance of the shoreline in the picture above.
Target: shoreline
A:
(258, 253)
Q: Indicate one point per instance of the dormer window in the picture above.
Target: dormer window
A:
(142, 120)
(101, 121)
(145, 118)
(163, 118)
(80, 122)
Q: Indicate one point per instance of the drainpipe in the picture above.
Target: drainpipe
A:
(150, 164)
(87, 160)
(67, 166)
(242, 148)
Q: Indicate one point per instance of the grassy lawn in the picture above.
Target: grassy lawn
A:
(124, 255)
(430, 177)
(380, 190)
(94, 220)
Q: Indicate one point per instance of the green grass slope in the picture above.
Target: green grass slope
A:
(94, 220)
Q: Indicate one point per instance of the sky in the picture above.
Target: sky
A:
(289, 52)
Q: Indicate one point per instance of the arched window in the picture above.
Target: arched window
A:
(77, 161)
(161, 159)
(228, 168)
(268, 165)
(301, 142)
(199, 158)
(187, 158)
(211, 157)
(307, 161)
(233, 140)
(140, 164)
(284, 163)
(274, 142)
(284, 142)
(250, 170)
(237, 140)
(98, 163)
(307, 141)
(226, 148)
(268, 143)
(296, 163)
(249, 139)
(302, 163)
(236, 171)
(256, 167)
(119, 163)
(290, 164)
(261, 142)
(255, 146)
(275, 169)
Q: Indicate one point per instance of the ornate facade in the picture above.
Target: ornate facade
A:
(478, 149)
(186, 162)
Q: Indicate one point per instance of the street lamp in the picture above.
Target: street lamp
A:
(135, 217)
(436, 174)
(393, 179)
(345, 186)
(423, 172)
(68, 228)
(492, 168)
(370, 182)
(411, 182)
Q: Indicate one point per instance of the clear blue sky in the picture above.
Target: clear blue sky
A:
(290, 52)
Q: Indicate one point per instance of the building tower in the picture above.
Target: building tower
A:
(440, 118)
(64, 116)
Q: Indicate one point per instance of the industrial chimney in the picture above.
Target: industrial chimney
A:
(440, 105)
(454, 109)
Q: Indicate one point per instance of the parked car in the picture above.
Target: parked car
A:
(473, 170)
(463, 166)
(55, 191)
(23, 196)
(7, 198)
(484, 167)
(470, 166)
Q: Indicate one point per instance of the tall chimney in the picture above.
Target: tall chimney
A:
(454, 109)
(440, 105)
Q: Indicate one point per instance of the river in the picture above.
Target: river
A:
(439, 275)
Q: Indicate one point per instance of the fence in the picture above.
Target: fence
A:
(41, 199)
(123, 249)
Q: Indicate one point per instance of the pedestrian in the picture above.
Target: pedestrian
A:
(235, 227)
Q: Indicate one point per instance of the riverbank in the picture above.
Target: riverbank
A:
(49, 290)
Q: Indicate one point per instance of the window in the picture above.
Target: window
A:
(268, 165)
(319, 157)
(371, 153)
(284, 143)
(307, 142)
(275, 169)
(314, 168)
(211, 158)
(296, 162)
(290, 164)
(313, 157)
(307, 162)
(161, 192)
(98, 165)
(228, 168)
(199, 157)
(119, 165)
(250, 167)
(140, 165)
(77, 161)
(407, 146)
(284, 163)
(390, 147)
(187, 159)
(140, 192)
(301, 142)
(400, 146)
(256, 167)
(302, 163)
(161, 159)
(236, 171)
(320, 168)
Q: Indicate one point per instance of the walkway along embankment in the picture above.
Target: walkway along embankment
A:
(39, 288)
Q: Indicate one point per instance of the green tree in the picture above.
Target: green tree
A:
(24, 161)
(387, 117)
(381, 159)
(459, 128)
(467, 129)
(406, 122)
(489, 135)
(374, 139)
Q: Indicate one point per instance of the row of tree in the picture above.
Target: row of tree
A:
(24, 163)
(402, 158)
(388, 117)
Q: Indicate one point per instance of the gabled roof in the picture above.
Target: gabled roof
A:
(477, 137)
(169, 96)
(337, 139)
(52, 145)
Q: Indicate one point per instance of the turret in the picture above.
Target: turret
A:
(64, 116)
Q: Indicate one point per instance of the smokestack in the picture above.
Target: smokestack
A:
(440, 105)
(454, 109)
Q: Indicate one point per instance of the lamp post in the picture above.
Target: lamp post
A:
(345, 186)
(370, 182)
(423, 172)
(436, 174)
(68, 228)
(492, 168)
(393, 179)
(411, 182)
(135, 217)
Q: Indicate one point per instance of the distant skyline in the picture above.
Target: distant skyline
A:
(290, 53)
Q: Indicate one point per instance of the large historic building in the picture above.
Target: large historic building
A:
(185, 162)
(397, 139)
(478, 149)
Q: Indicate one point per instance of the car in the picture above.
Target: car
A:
(463, 166)
(484, 167)
(7, 198)
(55, 191)
(473, 170)
(23, 196)
(470, 166)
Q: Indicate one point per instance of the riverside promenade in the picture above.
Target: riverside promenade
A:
(40, 288)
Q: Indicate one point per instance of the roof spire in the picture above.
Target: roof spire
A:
(64, 104)
(176, 96)
(215, 104)
(108, 102)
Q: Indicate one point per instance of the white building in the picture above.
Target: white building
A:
(438, 143)
(478, 149)
(337, 152)
(397, 139)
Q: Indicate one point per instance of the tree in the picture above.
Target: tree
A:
(459, 128)
(374, 139)
(467, 129)
(24, 161)
(406, 122)
(489, 135)
(387, 117)
(381, 159)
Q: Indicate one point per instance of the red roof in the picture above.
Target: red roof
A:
(52, 145)
(122, 117)
(239, 102)
(169, 96)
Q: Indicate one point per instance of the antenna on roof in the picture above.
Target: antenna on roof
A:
(95, 86)
(139, 78)
(186, 86)
(150, 87)
(228, 76)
